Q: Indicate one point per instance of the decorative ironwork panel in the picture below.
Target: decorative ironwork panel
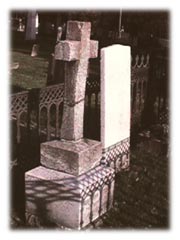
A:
(139, 80)
(93, 85)
(94, 180)
(51, 95)
(114, 154)
(93, 88)
(19, 104)
(140, 61)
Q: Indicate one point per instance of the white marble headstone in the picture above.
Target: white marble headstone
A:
(115, 94)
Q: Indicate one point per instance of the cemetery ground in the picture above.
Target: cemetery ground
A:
(141, 193)
(33, 76)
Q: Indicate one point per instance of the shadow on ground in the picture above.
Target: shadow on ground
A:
(141, 194)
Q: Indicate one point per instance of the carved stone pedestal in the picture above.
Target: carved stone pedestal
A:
(73, 157)
(61, 199)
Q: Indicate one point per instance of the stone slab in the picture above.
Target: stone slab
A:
(66, 200)
(115, 94)
(73, 157)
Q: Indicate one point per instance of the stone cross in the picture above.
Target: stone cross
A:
(76, 51)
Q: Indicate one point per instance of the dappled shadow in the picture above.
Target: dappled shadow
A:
(85, 197)
(47, 191)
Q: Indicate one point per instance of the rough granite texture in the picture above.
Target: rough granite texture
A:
(56, 197)
(71, 157)
(73, 120)
(67, 50)
(76, 51)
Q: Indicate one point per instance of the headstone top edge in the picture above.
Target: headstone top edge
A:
(117, 45)
(78, 22)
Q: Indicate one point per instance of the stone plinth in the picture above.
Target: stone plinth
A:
(71, 157)
(64, 199)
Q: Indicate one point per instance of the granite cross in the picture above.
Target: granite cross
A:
(75, 51)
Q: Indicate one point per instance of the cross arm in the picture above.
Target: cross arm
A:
(67, 50)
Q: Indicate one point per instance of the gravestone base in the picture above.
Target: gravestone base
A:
(62, 199)
(117, 156)
(73, 157)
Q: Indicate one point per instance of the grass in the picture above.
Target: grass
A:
(32, 71)
(141, 194)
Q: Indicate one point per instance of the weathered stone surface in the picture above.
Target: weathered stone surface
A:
(75, 122)
(64, 199)
(67, 50)
(94, 49)
(71, 157)
(76, 51)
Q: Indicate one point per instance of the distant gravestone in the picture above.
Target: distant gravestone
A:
(59, 34)
(115, 103)
(35, 50)
(56, 67)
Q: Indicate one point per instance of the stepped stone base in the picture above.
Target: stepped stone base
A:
(72, 157)
(66, 200)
